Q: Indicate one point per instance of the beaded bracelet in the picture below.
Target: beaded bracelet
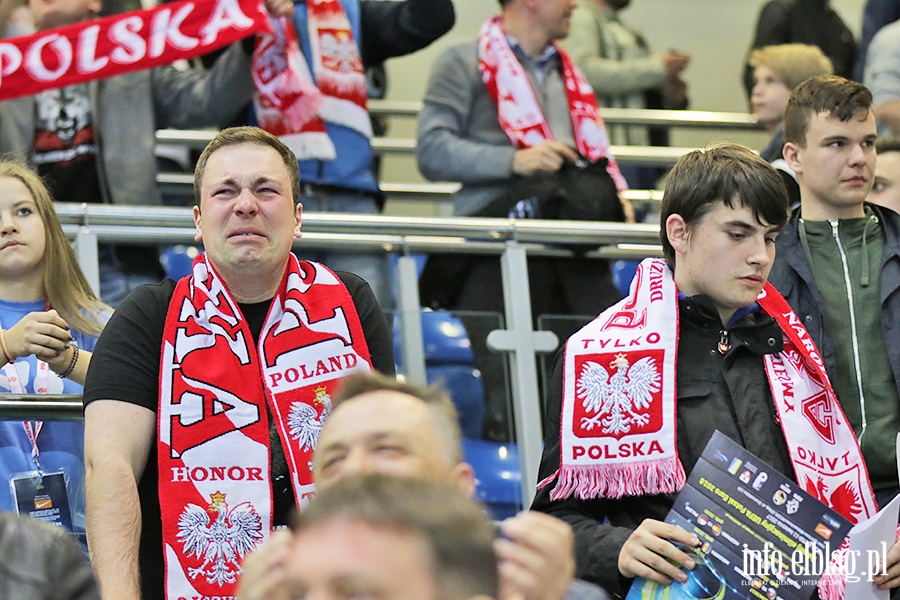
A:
(71, 366)
(6, 353)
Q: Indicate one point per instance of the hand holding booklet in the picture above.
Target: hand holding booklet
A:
(762, 535)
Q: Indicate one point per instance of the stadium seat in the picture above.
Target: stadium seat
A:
(463, 382)
(177, 260)
(497, 476)
(623, 272)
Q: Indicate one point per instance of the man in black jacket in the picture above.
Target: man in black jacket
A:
(721, 212)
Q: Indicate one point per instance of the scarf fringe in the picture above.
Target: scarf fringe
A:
(664, 476)
(346, 113)
(310, 145)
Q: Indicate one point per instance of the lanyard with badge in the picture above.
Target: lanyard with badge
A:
(37, 493)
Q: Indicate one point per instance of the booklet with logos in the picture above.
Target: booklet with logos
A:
(762, 535)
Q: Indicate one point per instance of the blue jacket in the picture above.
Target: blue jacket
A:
(382, 29)
(61, 443)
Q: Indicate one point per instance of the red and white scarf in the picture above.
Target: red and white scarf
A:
(618, 426)
(521, 117)
(215, 487)
(289, 103)
(122, 43)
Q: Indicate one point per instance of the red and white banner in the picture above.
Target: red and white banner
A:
(131, 41)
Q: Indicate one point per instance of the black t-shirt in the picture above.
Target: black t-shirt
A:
(125, 367)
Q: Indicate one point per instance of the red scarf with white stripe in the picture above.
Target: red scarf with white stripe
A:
(521, 117)
(141, 39)
(215, 487)
(289, 103)
(633, 405)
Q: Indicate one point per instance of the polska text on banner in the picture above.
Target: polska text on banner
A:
(118, 44)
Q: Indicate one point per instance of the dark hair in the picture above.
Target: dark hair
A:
(234, 136)
(890, 143)
(839, 97)
(455, 529)
(441, 407)
(727, 173)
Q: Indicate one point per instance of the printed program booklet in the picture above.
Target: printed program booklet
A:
(762, 536)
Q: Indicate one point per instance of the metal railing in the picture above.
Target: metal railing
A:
(514, 240)
(42, 407)
(696, 119)
(183, 184)
(662, 156)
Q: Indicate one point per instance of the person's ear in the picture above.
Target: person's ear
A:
(464, 476)
(677, 233)
(298, 217)
(792, 153)
(198, 237)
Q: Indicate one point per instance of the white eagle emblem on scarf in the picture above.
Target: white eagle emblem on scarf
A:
(223, 542)
(304, 421)
(617, 398)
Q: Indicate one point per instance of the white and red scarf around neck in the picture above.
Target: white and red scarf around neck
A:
(288, 103)
(519, 111)
(215, 487)
(618, 426)
(141, 39)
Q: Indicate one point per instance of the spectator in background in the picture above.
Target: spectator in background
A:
(93, 142)
(252, 332)
(373, 31)
(776, 71)
(39, 562)
(876, 14)
(812, 22)
(838, 263)
(49, 322)
(538, 128)
(381, 425)
(882, 77)
(617, 62)
(382, 537)
(886, 188)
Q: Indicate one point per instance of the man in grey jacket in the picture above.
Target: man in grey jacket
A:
(94, 142)
(616, 60)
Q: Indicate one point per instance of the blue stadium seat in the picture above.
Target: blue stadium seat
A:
(497, 475)
(623, 272)
(444, 337)
(449, 361)
(463, 382)
(177, 260)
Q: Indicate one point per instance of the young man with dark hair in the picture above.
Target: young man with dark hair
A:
(703, 332)
(839, 262)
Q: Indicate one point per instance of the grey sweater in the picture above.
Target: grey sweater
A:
(459, 134)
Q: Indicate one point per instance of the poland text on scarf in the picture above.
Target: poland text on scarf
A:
(217, 389)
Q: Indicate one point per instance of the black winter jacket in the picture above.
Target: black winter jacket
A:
(730, 393)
